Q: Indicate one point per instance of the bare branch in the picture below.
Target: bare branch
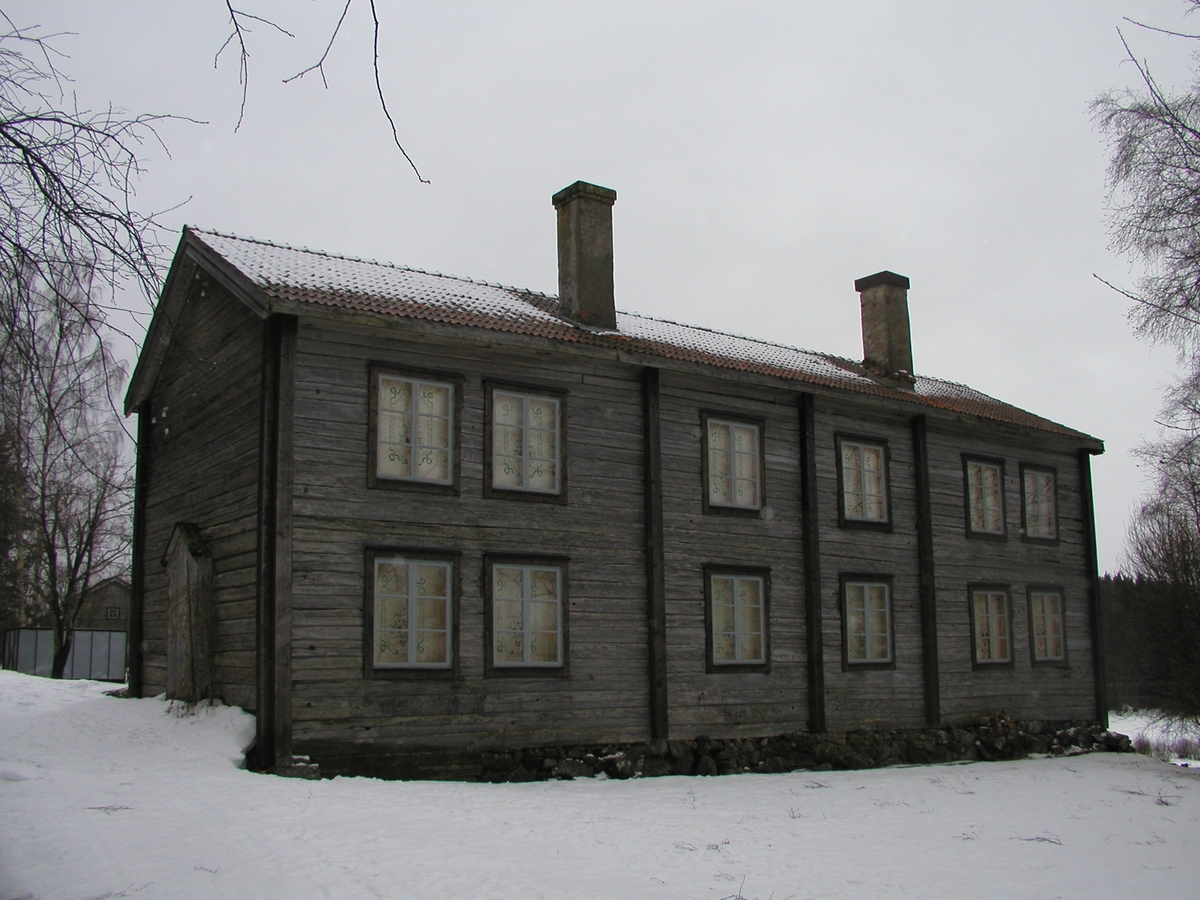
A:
(319, 65)
(383, 102)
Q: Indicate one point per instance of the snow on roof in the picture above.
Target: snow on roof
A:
(302, 276)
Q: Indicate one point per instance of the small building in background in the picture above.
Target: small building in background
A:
(98, 649)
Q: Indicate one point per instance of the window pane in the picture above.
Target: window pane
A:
(750, 648)
(431, 647)
(543, 616)
(391, 648)
(543, 584)
(1040, 511)
(414, 430)
(1045, 609)
(868, 637)
(527, 616)
(543, 648)
(738, 621)
(510, 616)
(507, 649)
(863, 482)
(506, 583)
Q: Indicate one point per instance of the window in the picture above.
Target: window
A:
(733, 464)
(525, 444)
(413, 424)
(867, 620)
(411, 613)
(985, 497)
(527, 623)
(1047, 638)
(863, 482)
(113, 612)
(737, 618)
(990, 617)
(1039, 510)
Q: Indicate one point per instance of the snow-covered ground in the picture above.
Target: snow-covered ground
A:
(101, 797)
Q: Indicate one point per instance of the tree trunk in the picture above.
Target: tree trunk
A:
(63, 639)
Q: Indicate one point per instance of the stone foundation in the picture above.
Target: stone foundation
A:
(992, 738)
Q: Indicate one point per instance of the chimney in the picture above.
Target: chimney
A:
(887, 344)
(585, 254)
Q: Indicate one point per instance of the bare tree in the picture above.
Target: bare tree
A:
(1164, 555)
(65, 442)
(67, 180)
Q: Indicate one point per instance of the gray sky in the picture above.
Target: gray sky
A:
(764, 156)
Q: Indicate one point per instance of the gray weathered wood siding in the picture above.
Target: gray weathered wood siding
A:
(336, 517)
(731, 703)
(1050, 692)
(859, 696)
(203, 469)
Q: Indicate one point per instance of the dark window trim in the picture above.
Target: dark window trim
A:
(863, 524)
(375, 370)
(489, 387)
(968, 458)
(849, 665)
(1062, 599)
(525, 559)
(373, 553)
(717, 509)
(723, 668)
(976, 663)
(1025, 536)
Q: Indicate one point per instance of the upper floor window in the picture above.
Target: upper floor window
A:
(1046, 625)
(1039, 510)
(733, 463)
(411, 612)
(413, 430)
(985, 497)
(862, 474)
(867, 620)
(991, 625)
(737, 617)
(525, 442)
(527, 615)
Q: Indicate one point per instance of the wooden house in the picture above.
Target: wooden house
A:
(392, 511)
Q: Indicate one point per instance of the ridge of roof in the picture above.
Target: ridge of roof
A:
(499, 307)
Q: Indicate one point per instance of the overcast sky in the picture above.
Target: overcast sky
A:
(764, 156)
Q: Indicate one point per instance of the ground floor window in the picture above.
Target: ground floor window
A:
(991, 620)
(412, 612)
(737, 617)
(527, 615)
(868, 619)
(1046, 625)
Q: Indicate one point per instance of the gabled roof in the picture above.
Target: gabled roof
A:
(277, 278)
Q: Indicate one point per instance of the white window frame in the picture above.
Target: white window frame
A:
(738, 578)
(413, 632)
(527, 601)
(1039, 505)
(862, 496)
(414, 417)
(991, 618)
(1043, 620)
(987, 502)
(868, 632)
(733, 480)
(525, 458)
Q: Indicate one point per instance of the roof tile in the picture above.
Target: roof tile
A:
(323, 279)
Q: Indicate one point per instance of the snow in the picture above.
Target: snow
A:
(104, 797)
